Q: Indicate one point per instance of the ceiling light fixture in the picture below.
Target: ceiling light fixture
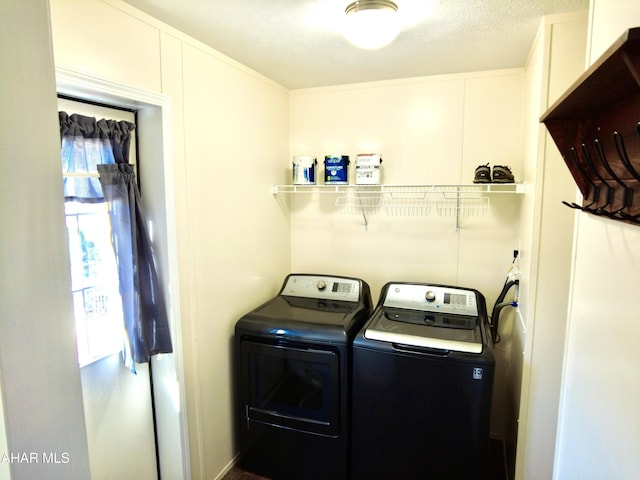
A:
(371, 24)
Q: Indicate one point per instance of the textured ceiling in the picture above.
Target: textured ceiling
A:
(298, 43)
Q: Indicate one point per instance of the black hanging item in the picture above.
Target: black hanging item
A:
(611, 191)
(627, 195)
(622, 153)
(512, 280)
(595, 190)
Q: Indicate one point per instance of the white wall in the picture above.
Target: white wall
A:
(546, 233)
(599, 419)
(41, 393)
(530, 210)
(230, 130)
(431, 130)
(235, 131)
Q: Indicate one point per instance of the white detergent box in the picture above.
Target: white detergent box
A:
(368, 169)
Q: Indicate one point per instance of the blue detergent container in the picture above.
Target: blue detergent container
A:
(336, 169)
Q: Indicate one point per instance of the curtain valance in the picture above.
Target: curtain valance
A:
(117, 132)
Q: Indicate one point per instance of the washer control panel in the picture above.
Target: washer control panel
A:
(431, 298)
(322, 287)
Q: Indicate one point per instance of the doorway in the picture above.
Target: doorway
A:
(154, 145)
(118, 405)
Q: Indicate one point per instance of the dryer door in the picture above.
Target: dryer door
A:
(293, 386)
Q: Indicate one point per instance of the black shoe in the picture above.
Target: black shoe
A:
(483, 174)
(502, 174)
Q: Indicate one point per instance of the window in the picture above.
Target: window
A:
(98, 314)
(94, 282)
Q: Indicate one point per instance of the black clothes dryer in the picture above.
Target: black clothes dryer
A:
(294, 372)
(422, 385)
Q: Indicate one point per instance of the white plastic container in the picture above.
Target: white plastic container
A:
(304, 170)
(368, 169)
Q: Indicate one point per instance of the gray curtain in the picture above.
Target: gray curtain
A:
(85, 144)
(104, 146)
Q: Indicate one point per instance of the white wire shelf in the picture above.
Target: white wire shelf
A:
(498, 188)
(407, 206)
(462, 207)
(464, 200)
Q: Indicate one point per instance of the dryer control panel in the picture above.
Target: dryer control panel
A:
(322, 287)
(432, 298)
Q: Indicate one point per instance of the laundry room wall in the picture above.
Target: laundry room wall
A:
(430, 130)
(229, 134)
(42, 431)
(555, 61)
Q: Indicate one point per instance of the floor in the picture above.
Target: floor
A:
(498, 468)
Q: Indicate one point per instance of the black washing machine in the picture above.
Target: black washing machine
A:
(294, 373)
(422, 385)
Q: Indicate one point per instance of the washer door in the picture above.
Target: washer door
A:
(291, 386)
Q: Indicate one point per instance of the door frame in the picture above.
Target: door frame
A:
(154, 118)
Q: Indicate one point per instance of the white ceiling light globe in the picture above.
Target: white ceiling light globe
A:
(371, 24)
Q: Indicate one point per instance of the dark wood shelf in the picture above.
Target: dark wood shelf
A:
(596, 124)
